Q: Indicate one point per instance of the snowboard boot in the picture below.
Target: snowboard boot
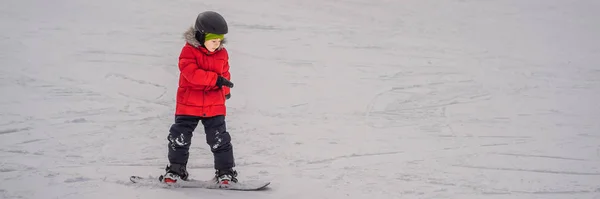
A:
(225, 177)
(174, 173)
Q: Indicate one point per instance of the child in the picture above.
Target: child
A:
(203, 88)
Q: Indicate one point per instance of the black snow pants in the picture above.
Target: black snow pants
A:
(217, 138)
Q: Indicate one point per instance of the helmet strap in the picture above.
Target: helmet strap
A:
(200, 37)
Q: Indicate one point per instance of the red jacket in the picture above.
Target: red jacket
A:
(197, 94)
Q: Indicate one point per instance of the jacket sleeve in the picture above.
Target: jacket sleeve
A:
(226, 75)
(191, 72)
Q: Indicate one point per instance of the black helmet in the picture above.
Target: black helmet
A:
(211, 22)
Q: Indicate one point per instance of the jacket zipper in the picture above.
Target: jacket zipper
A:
(203, 103)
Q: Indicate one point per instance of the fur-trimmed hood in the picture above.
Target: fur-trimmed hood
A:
(190, 37)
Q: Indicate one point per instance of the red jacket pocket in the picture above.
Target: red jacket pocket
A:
(204, 97)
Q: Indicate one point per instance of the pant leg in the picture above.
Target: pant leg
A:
(180, 138)
(219, 141)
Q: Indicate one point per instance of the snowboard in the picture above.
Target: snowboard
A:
(204, 184)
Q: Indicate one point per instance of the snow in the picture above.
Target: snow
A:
(332, 99)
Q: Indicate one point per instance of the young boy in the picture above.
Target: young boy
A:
(203, 88)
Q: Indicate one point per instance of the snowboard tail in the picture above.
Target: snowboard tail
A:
(204, 184)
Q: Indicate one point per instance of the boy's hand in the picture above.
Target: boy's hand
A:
(228, 96)
(221, 81)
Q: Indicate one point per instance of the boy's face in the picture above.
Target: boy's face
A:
(212, 44)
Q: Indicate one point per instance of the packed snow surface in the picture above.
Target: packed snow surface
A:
(466, 99)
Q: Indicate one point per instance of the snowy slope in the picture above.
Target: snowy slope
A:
(333, 99)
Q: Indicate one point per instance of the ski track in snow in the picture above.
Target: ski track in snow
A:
(347, 99)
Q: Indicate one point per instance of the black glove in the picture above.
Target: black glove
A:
(221, 81)
(228, 96)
